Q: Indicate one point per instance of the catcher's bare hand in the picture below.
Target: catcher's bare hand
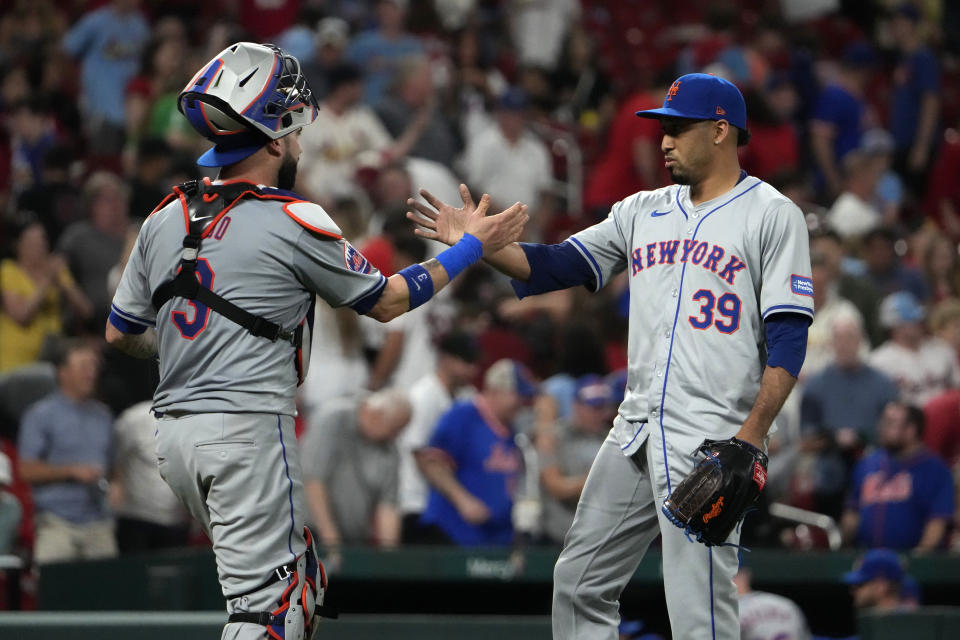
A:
(447, 224)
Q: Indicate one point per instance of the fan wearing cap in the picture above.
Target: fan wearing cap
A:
(721, 296)
(566, 458)
(473, 464)
(876, 581)
(230, 321)
(901, 496)
(923, 367)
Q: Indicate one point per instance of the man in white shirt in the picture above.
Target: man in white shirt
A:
(922, 367)
(430, 397)
(509, 160)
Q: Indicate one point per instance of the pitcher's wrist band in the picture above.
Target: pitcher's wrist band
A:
(461, 255)
(419, 283)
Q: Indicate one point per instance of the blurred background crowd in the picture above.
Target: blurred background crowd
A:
(853, 107)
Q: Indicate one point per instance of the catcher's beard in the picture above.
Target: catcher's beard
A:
(287, 175)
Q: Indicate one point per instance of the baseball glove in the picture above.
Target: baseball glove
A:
(716, 495)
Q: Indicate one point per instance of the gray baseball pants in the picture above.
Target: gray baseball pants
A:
(239, 475)
(617, 518)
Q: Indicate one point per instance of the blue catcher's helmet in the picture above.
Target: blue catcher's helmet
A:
(246, 96)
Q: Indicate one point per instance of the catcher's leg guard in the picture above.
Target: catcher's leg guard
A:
(300, 606)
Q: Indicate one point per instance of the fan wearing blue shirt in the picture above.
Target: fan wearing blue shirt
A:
(473, 465)
(902, 495)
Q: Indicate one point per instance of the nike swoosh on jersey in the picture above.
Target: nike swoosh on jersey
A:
(657, 214)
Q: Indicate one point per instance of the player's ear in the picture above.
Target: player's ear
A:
(721, 129)
(275, 147)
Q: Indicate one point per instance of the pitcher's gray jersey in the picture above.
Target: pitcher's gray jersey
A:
(267, 256)
(702, 280)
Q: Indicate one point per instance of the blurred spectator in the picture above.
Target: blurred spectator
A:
(942, 433)
(888, 196)
(884, 268)
(539, 29)
(10, 510)
(93, 246)
(767, 616)
(876, 581)
(859, 290)
(631, 160)
(774, 143)
(941, 266)
(853, 213)
(473, 464)
(108, 41)
(149, 181)
(65, 447)
(54, 198)
(840, 116)
(848, 396)
(379, 52)
(945, 322)
(830, 306)
(409, 111)
(430, 397)
(915, 99)
(477, 81)
(32, 134)
(350, 465)
(346, 136)
(508, 160)
(151, 100)
(580, 87)
(565, 462)
(942, 201)
(921, 366)
(149, 515)
(902, 495)
(330, 45)
(34, 285)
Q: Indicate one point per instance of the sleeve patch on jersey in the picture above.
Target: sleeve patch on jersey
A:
(354, 260)
(802, 286)
(312, 216)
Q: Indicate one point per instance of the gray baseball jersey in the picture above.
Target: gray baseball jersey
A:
(266, 256)
(702, 280)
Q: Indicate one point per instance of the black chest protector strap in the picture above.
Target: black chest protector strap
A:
(205, 204)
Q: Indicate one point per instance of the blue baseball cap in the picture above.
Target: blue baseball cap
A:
(901, 307)
(593, 390)
(876, 563)
(509, 375)
(233, 148)
(701, 96)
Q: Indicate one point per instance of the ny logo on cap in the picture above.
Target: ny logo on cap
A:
(674, 88)
(721, 111)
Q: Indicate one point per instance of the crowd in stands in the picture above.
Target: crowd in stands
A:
(484, 434)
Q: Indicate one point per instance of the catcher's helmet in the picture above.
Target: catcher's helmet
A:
(246, 96)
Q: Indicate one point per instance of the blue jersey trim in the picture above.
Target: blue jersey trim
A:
(673, 332)
(286, 469)
(787, 307)
(125, 325)
(627, 446)
(593, 261)
(676, 198)
(130, 317)
(368, 300)
(713, 621)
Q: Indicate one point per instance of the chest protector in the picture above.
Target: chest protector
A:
(204, 205)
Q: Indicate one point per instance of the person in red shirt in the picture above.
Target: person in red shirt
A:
(942, 433)
(942, 204)
(631, 160)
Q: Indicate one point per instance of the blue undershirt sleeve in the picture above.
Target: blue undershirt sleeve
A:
(787, 341)
(554, 267)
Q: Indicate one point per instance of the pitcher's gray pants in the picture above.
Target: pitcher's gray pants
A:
(617, 518)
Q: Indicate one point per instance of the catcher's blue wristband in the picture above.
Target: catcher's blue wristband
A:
(461, 255)
(419, 284)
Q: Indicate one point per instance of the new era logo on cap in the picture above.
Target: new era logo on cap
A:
(703, 97)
